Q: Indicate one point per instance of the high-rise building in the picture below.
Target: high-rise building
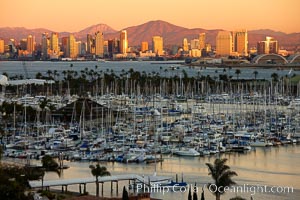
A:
(270, 45)
(113, 47)
(54, 43)
(185, 45)
(144, 47)
(99, 44)
(71, 47)
(157, 45)
(23, 44)
(89, 43)
(195, 44)
(78, 48)
(64, 42)
(240, 42)
(202, 41)
(45, 46)
(30, 44)
(1, 46)
(123, 42)
(224, 43)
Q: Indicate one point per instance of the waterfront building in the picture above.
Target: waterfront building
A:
(90, 44)
(144, 47)
(157, 45)
(23, 44)
(195, 53)
(1, 46)
(240, 42)
(269, 46)
(45, 46)
(54, 43)
(71, 47)
(202, 41)
(123, 42)
(113, 47)
(185, 45)
(224, 43)
(78, 48)
(195, 44)
(99, 44)
(30, 44)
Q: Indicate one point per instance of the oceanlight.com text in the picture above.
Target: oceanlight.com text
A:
(245, 188)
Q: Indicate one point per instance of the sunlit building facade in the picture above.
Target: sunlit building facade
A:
(54, 47)
(240, 42)
(185, 45)
(123, 42)
(157, 45)
(45, 46)
(1, 46)
(71, 47)
(30, 44)
(99, 44)
(224, 43)
(202, 41)
(144, 47)
(270, 45)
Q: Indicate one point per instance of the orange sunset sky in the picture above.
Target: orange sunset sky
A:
(75, 15)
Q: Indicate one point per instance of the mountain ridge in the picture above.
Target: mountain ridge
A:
(172, 34)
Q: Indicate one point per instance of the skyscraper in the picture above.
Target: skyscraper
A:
(30, 44)
(195, 44)
(202, 41)
(240, 42)
(144, 47)
(99, 44)
(45, 45)
(71, 47)
(123, 42)
(1, 46)
(54, 43)
(224, 43)
(185, 45)
(270, 45)
(157, 45)
(89, 43)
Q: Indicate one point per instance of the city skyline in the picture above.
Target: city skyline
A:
(215, 14)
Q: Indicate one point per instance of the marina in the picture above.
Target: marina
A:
(144, 130)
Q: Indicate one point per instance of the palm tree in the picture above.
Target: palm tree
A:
(274, 77)
(237, 72)
(255, 76)
(98, 171)
(221, 174)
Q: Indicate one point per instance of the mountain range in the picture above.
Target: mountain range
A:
(171, 33)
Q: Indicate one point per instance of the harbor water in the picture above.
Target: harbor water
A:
(271, 166)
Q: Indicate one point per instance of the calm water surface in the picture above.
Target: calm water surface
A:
(275, 166)
(33, 67)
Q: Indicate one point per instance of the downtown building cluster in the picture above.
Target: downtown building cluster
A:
(53, 47)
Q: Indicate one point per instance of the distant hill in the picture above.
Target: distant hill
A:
(171, 33)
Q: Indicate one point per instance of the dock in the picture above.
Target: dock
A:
(64, 183)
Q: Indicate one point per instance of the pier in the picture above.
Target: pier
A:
(83, 181)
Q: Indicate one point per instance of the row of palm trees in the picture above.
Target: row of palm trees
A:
(95, 81)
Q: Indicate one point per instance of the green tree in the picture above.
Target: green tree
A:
(98, 171)
(49, 163)
(222, 176)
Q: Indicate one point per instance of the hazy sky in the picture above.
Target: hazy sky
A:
(75, 15)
